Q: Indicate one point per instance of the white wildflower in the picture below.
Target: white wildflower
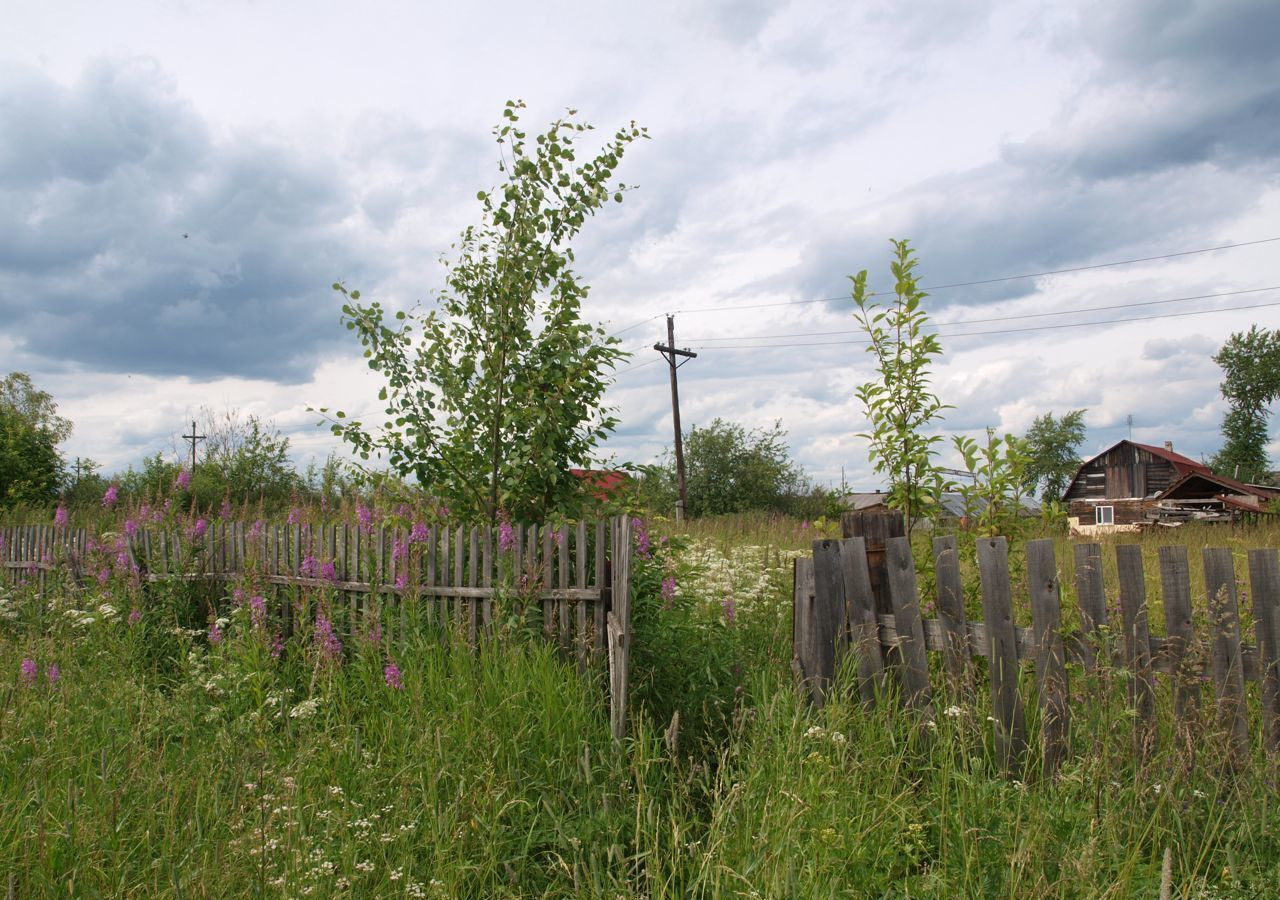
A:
(306, 709)
(953, 712)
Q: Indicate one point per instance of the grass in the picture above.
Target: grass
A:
(159, 764)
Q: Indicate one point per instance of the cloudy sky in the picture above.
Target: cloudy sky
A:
(181, 182)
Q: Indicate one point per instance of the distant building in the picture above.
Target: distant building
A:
(1130, 486)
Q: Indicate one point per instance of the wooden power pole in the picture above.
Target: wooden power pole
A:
(192, 438)
(669, 351)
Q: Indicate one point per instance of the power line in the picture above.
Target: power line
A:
(1070, 312)
(941, 287)
(651, 362)
(1199, 312)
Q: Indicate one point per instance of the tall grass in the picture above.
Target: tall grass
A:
(162, 764)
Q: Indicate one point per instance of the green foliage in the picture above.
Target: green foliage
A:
(729, 469)
(900, 403)
(1052, 447)
(998, 475)
(492, 396)
(1250, 360)
(31, 468)
(245, 460)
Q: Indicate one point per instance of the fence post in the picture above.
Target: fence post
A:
(901, 570)
(860, 618)
(619, 627)
(951, 615)
(1137, 645)
(1002, 653)
(1051, 659)
(804, 601)
(1228, 664)
(1264, 579)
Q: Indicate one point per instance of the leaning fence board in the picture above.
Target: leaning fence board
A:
(1051, 658)
(1002, 653)
(619, 629)
(1264, 580)
(1136, 644)
(1175, 589)
(1224, 626)
(901, 572)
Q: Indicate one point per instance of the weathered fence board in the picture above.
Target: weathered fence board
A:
(1051, 657)
(901, 572)
(1002, 653)
(1136, 644)
(1264, 581)
(1228, 669)
(951, 615)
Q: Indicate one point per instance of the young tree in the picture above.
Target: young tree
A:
(1052, 446)
(900, 404)
(1251, 362)
(998, 479)
(493, 395)
(31, 468)
(731, 470)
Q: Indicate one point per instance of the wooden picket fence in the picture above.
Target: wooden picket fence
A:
(852, 600)
(576, 578)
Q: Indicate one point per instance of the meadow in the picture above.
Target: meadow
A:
(148, 751)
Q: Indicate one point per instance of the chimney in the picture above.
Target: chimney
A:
(1168, 445)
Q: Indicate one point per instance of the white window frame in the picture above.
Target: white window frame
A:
(1101, 518)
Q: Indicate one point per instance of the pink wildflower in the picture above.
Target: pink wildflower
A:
(295, 516)
(183, 481)
(131, 527)
(135, 616)
(329, 571)
(365, 516)
(103, 576)
(402, 581)
(225, 510)
(394, 677)
(60, 517)
(256, 529)
(669, 589)
(257, 609)
(53, 673)
(215, 634)
(400, 550)
(641, 538)
(111, 496)
(277, 647)
(30, 671)
(506, 535)
(328, 643)
(309, 566)
(729, 608)
(197, 531)
(419, 533)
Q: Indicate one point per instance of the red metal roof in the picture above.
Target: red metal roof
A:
(1184, 464)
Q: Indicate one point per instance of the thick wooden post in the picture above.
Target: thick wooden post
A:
(826, 639)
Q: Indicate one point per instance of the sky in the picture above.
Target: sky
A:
(181, 183)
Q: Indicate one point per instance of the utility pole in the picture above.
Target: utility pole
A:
(191, 439)
(670, 352)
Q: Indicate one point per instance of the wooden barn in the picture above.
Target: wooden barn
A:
(1129, 486)
(1115, 490)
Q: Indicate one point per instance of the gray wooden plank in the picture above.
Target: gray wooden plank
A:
(1264, 583)
(1051, 658)
(1002, 654)
(905, 596)
(1225, 658)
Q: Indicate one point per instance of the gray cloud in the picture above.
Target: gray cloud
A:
(131, 239)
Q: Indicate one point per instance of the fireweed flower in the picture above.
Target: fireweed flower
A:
(365, 516)
(419, 533)
(669, 588)
(295, 516)
(131, 527)
(402, 581)
(135, 616)
(257, 609)
(309, 566)
(256, 529)
(641, 538)
(53, 673)
(729, 609)
(183, 481)
(400, 550)
(103, 576)
(215, 634)
(506, 534)
(326, 641)
(394, 677)
(60, 517)
(30, 671)
(197, 531)
(329, 571)
(111, 496)
(225, 510)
